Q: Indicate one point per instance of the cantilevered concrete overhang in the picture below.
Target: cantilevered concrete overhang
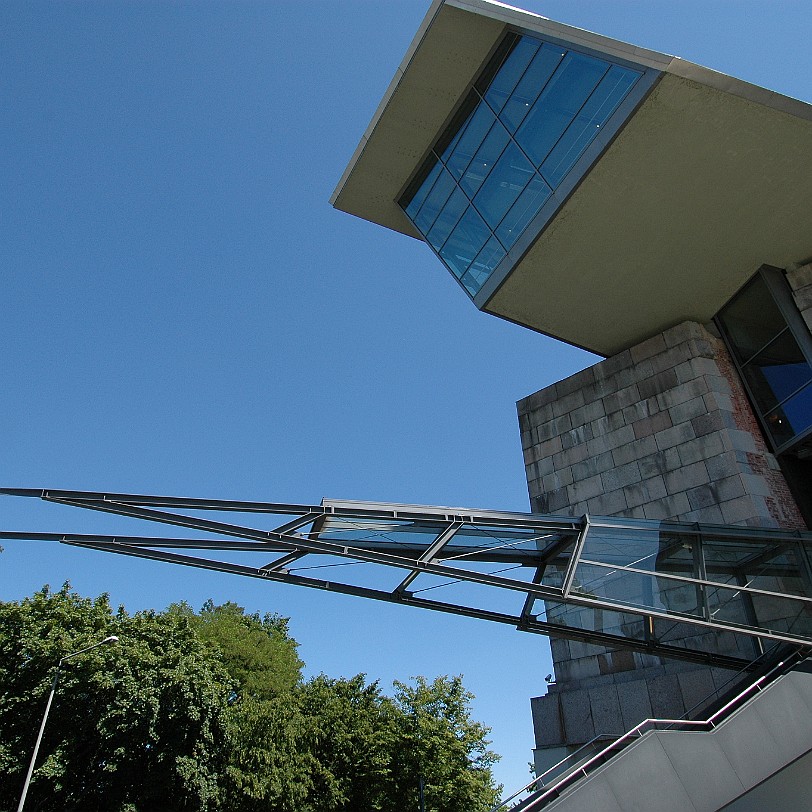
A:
(708, 179)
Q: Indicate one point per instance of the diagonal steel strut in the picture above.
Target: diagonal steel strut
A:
(559, 576)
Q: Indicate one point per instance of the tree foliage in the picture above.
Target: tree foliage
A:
(208, 711)
(258, 652)
(141, 731)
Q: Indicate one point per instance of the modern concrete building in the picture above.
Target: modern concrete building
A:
(653, 211)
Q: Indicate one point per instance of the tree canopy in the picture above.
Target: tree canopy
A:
(208, 711)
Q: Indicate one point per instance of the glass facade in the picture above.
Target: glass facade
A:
(770, 357)
(724, 578)
(533, 112)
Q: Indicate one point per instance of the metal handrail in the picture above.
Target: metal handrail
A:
(637, 732)
(539, 779)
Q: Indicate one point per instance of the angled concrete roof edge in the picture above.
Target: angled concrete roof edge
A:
(738, 87)
(434, 8)
(569, 33)
(623, 50)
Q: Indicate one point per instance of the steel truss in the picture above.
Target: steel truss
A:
(709, 594)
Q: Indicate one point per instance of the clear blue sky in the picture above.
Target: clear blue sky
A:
(183, 313)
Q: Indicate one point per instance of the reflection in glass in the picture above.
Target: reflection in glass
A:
(770, 357)
(511, 71)
(558, 105)
(777, 371)
(751, 320)
(536, 105)
(580, 133)
(792, 417)
(532, 84)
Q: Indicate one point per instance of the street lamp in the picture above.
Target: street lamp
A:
(111, 639)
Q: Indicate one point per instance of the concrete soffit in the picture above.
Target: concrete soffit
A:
(707, 180)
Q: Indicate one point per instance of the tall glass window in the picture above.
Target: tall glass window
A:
(532, 113)
(767, 341)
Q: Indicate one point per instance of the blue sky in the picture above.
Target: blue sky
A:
(183, 312)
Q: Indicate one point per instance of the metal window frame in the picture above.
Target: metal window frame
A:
(560, 193)
(778, 287)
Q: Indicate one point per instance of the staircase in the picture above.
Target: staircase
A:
(753, 753)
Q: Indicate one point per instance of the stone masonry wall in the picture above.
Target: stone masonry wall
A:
(660, 431)
(800, 280)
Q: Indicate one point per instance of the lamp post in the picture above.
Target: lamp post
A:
(107, 640)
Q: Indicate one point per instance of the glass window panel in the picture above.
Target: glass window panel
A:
(465, 242)
(636, 589)
(558, 105)
(483, 266)
(485, 159)
(462, 150)
(506, 182)
(470, 283)
(511, 71)
(727, 558)
(777, 371)
(450, 138)
(780, 614)
(434, 201)
(793, 417)
(579, 135)
(360, 531)
(523, 211)
(752, 319)
(420, 195)
(533, 82)
(447, 219)
(595, 619)
(623, 547)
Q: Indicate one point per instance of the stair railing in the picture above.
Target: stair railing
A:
(566, 777)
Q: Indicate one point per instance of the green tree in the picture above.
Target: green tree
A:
(137, 726)
(353, 736)
(271, 757)
(207, 711)
(258, 652)
(438, 741)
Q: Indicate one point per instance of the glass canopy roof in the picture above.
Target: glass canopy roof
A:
(532, 113)
(710, 594)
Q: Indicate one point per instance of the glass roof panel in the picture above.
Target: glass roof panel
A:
(505, 183)
(511, 71)
(484, 161)
(526, 207)
(434, 201)
(557, 106)
(533, 82)
(465, 242)
(478, 126)
(585, 126)
(447, 219)
(551, 104)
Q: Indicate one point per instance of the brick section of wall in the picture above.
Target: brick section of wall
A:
(800, 280)
(660, 431)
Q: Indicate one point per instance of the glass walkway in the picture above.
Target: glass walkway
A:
(708, 593)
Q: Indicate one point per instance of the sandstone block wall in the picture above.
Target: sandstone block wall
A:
(800, 281)
(660, 431)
